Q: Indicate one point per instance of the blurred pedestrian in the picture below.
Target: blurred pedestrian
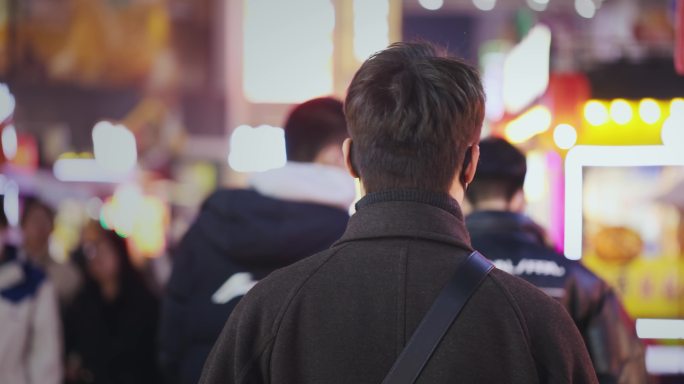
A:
(501, 231)
(344, 315)
(111, 327)
(37, 224)
(240, 236)
(30, 328)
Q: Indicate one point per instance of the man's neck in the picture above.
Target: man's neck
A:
(456, 193)
(438, 199)
(494, 205)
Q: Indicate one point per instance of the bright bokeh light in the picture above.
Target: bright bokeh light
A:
(431, 5)
(660, 329)
(672, 132)
(125, 207)
(492, 79)
(603, 156)
(9, 142)
(595, 112)
(141, 218)
(526, 69)
(677, 107)
(94, 208)
(257, 149)
(371, 26)
(649, 110)
(565, 136)
(7, 103)
(531, 123)
(538, 5)
(107, 215)
(288, 50)
(11, 202)
(84, 170)
(620, 111)
(148, 235)
(484, 5)
(536, 178)
(585, 8)
(114, 147)
(665, 359)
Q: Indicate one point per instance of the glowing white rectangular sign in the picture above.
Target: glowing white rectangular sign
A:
(371, 27)
(603, 156)
(660, 328)
(526, 69)
(661, 359)
(288, 50)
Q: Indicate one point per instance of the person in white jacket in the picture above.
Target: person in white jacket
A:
(30, 328)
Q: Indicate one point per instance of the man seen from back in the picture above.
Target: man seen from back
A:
(345, 314)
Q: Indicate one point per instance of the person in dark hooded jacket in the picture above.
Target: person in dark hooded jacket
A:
(241, 236)
(517, 245)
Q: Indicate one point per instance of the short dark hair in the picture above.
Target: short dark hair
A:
(500, 171)
(313, 125)
(412, 112)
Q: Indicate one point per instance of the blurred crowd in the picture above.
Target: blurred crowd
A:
(93, 316)
(96, 317)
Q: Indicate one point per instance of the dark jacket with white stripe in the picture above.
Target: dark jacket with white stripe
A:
(239, 237)
(516, 245)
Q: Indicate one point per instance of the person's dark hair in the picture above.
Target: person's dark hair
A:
(31, 203)
(313, 125)
(130, 279)
(412, 112)
(500, 172)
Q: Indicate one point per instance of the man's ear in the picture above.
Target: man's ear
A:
(347, 152)
(469, 172)
(517, 203)
(330, 155)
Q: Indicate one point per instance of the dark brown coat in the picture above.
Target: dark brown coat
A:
(344, 315)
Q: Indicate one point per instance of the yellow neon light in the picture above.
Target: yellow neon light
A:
(621, 111)
(649, 111)
(531, 123)
(595, 112)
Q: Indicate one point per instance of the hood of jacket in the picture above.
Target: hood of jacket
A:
(253, 229)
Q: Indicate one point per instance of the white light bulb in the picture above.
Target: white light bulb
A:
(621, 111)
(484, 5)
(649, 110)
(431, 5)
(585, 8)
(565, 136)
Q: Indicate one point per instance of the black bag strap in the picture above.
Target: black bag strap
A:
(438, 319)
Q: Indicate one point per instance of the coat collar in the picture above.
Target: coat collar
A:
(410, 214)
